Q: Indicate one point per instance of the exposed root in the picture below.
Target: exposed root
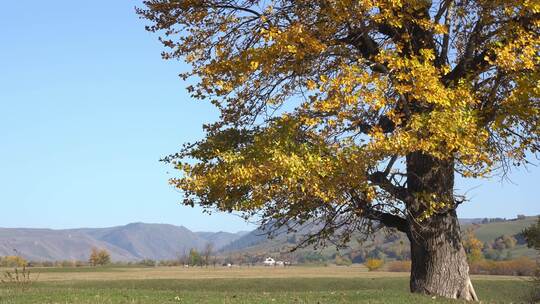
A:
(468, 293)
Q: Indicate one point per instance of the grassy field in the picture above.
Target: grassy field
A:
(239, 285)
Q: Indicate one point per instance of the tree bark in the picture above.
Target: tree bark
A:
(439, 262)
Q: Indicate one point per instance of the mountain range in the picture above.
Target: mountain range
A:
(138, 241)
(131, 242)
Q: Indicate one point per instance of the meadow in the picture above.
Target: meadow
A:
(114, 285)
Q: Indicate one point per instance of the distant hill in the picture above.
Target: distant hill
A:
(125, 243)
(138, 241)
(221, 239)
(489, 231)
(257, 242)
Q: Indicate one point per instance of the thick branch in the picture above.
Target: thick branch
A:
(367, 47)
(385, 123)
(387, 219)
(379, 179)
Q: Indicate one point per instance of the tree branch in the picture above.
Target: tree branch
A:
(387, 219)
(379, 179)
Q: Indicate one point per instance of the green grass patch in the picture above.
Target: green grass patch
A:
(283, 290)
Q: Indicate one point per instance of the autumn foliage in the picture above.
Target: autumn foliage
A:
(314, 97)
(374, 264)
(472, 246)
(340, 113)
(12, 261)
(99, 257)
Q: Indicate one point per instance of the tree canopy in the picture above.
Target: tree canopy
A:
(321, 101)
(339, 112)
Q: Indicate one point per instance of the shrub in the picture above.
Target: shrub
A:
(522, 266)
(147, 262)
(12, 261)
(19, 278)
(47, 264)
(374, 264)
(399, 266)
(80, 263)
(311, 257)
(169, 263)
(342, 261)
(68, 264)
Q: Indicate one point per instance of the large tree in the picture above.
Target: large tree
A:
(343, 113)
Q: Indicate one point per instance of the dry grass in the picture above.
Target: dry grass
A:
(122, 273)
(213, 273)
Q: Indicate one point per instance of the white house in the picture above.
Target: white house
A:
(269, 262)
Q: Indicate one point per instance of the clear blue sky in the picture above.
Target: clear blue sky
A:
(87, 108)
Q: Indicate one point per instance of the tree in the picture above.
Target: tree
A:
(348, 113)
(207, 253)
(473, 247)
(504, 242)
(195, 257)
(532, 235)
(94, 257)
(99, 257)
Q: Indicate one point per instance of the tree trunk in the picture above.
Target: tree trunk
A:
(439, 262)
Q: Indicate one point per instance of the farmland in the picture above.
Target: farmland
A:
(238, 285)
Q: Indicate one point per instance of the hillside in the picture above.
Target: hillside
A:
(221, 239)
(489, 231)
(51, 245)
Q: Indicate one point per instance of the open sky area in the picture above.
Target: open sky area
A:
(87, 109)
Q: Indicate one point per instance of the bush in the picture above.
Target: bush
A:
(147, 262)
(68, 264)
(522, 266)
(12, 261)
(170, 263)
(19, 278)
(399, 266)
(374, 264)
(342, 261)
(311, 257)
